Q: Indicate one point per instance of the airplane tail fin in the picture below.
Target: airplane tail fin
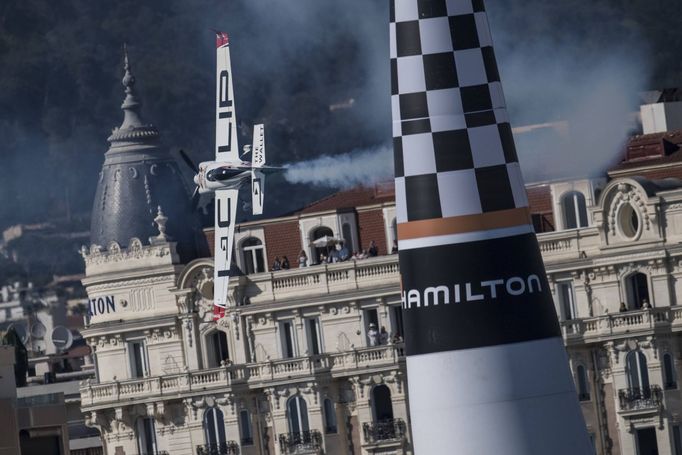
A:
(257, 176)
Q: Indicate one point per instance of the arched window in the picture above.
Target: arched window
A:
(245, 427)
(637, 289)
(217, 348)
(637, 372)
(669, 373)
(252, 252)
(319, 249)
(146, 436)
(583, 385)
(382, 407)
(214, 427)
(575, 210)
(297, 415)
(329, 417)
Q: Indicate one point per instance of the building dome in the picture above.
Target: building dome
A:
(139, 176)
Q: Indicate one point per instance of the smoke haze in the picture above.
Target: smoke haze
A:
(591, 93)
(592, 90)
(60, 91)
(357, 168)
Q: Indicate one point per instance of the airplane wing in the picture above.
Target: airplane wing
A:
(225, 217)
(258, 177)
(226, 142)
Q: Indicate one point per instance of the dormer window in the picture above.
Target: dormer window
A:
(252, 250)
(320, 250)
(575, 210)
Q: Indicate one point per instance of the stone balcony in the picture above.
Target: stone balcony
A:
(377, 272)
(617, 325)
(254, 375)
(568, 244)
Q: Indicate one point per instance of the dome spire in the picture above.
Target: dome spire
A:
(130, 104)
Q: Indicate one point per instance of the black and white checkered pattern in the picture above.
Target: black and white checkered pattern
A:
(454, 150)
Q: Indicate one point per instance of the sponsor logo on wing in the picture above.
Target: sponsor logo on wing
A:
(483, 291)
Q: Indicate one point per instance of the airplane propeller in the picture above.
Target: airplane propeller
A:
(188, 161)
(194, 202)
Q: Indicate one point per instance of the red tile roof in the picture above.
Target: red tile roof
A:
(651, 149)
(356, 197)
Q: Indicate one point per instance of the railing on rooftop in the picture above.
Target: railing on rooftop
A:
(323, 279)
(335, 363)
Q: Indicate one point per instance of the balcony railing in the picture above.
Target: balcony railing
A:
(323, 279)
(618, 324)
(640, 398)
(336, 363)
(224, 448)
(300, 442)
(386, 430)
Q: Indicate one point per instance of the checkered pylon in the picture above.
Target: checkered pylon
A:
(453, 144)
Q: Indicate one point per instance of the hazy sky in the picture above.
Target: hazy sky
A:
(576, 60)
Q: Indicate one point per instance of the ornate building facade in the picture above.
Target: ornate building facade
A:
(309, 359)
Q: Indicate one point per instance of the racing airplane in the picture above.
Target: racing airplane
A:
(228, 173)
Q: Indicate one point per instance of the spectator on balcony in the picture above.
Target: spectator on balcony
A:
(373, 334)
(373, 251)
(622, 308)
(383, 335)
(394, 250)
(396, 338)
(302, 259)
(645, 304)
(344, 254)
(277, 265)
(285, 263)
(333, 256)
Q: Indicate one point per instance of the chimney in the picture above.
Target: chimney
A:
(665, 114)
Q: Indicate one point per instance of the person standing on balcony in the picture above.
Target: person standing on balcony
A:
(373, 250)
(344, 254)
(373, 334)
(383, 335)
(622, 308)
(302, 259)
(277, 265)
(285, 263)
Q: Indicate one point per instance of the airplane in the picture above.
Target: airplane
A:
(228, 173)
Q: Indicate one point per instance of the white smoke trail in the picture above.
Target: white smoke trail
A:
(364, 167)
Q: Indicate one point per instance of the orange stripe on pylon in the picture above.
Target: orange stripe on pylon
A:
(464, 224)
